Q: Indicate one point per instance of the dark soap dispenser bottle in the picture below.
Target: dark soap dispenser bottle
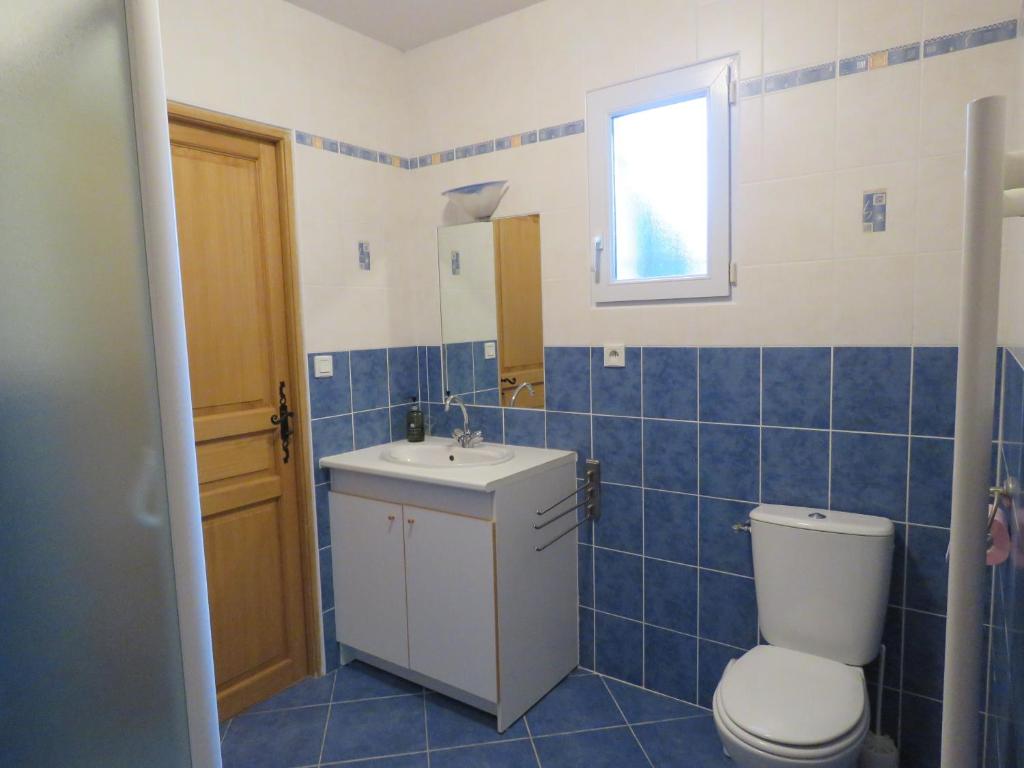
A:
(414, 431)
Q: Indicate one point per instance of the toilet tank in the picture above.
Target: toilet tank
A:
(822, 580)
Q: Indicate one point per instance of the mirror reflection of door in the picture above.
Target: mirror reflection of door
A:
(491, 320)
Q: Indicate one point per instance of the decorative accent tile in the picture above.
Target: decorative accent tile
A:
(805, 76)
(971, 38)
(878, 59)
(561, 130)
(753, 86)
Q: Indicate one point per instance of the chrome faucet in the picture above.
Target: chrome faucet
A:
(525, 385)
(464, 436)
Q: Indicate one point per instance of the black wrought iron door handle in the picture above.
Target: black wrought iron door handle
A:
(283, 419)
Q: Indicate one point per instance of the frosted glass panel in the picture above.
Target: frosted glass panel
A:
(90, 666)
(660, 161)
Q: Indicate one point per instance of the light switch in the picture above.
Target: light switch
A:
(489, 350)
(614, 355)
(364, 255)
(323, 366)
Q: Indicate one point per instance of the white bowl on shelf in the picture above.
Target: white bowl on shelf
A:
(478, 200)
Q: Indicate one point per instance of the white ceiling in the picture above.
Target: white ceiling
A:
(407, 24)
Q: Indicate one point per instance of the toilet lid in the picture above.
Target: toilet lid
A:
(793, 698)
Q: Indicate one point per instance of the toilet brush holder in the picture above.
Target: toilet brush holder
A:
(879, 752)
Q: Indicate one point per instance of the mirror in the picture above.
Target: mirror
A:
(491, 328)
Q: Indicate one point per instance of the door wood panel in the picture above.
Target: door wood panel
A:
(228, 189)
(369, 576)
(449, 562)
(518, 288)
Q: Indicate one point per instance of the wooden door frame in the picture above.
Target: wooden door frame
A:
(281, 139)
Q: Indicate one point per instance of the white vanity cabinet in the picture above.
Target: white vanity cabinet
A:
(445, 582)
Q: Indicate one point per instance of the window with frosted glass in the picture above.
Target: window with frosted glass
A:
(659, 172)
(661, 191)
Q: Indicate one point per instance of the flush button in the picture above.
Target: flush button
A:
(816, 516)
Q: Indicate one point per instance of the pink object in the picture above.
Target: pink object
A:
(999, 550)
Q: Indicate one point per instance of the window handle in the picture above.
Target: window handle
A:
(598, 250)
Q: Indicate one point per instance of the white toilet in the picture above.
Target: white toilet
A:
(822, 581)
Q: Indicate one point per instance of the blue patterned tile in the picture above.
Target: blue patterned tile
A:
(524, 426)
(670, 526)
(372, 427)
(618, 583)
(330, 396)
(1013, 400)
(728, 609)
(721, 548)
(330, 436)
(458, 368)
(305, 693)
(671, 668)
(927, 571)
(621, 525)
(642, 706)
(515, 754)
(432, 361)
(332, 651)
(615, 391)
(730, 385)
(488, 421)
(575, 704)
(403, 374)
(617, 444)
(690, 743)
(586, 629)
(585, 574)
(670, 455)
(898, 564)
(934, 401)
(570, 432)
(274, 739)
(729, 461)
(920, 732)
(611, 748)
(487, 397)
(567, 379)
(399, 761)
(871, 389)
(374, 728)
(357, 681)
(794, 467)
(892, 639)
(926, 646)
(323, 515)
(326, 579)
(931, 481)
(670, 382)
(454, 724)
(714, 658)
(869, 474)
(670, 595)
(619, 648)
(797, 386)
(369, 379)
(485, 369)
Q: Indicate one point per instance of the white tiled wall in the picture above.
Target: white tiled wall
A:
(808, 274)
(270, 61)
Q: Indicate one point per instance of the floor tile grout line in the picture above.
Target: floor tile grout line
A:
(226, 729)
(327, 720)
(626, 720)
(426, 728)
(533, 744)
(325, 703)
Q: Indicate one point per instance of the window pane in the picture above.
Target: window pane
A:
(660, 158)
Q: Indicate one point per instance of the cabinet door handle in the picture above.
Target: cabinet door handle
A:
(391, 518)
(411, 520)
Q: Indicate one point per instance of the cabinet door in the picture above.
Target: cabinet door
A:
(368, 554)
(450, 581)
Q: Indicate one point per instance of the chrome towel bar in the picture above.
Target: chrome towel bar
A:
(591, 502)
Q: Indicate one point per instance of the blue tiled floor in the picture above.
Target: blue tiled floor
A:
(361, 717)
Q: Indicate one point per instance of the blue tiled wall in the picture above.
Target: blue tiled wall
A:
(1004, 732)
(690, 440)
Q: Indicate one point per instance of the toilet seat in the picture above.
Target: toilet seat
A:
(792, 705)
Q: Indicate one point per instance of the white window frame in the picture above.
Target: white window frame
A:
(711, 79)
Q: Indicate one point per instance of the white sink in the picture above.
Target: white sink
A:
(446, 454)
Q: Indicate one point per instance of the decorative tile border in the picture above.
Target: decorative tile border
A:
(901, 54)
(754, 86)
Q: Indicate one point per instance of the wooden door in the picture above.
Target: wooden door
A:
(233, 240)
(520, 326)
(369, 576)
(449, 572)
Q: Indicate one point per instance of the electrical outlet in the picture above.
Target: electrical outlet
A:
(490, 350)
(614, 355)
